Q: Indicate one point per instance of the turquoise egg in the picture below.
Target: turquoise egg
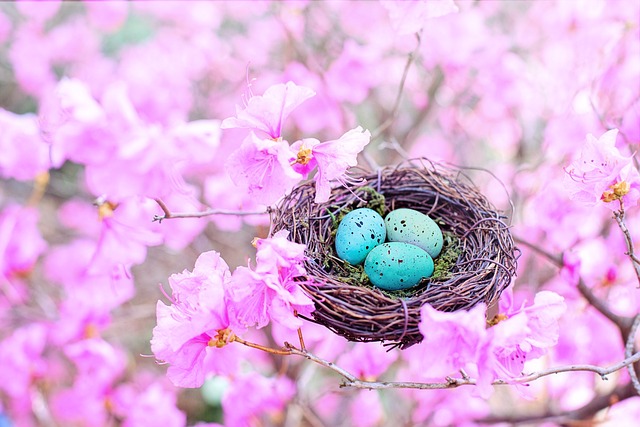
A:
(394, 266)
(416, 228)
(359, 232)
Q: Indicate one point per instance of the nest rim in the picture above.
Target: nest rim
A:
(360, 312)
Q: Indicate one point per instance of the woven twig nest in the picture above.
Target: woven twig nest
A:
(478, 259)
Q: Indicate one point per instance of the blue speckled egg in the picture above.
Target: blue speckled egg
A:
(359, 232)
(396, 265)
(416, 228)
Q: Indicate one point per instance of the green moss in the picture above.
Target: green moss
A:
(448, 256)
(373, 199)
(376, 200)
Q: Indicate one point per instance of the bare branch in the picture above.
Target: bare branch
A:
(629, 349)
(623, 323)
(171, 215)
(456, 382)
(619, 217)
(603, 372)
(586, 412)
(396, 105)
(351, 380)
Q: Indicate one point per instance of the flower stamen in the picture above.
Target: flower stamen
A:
(304, 156)
(617, 191)
(222, 338)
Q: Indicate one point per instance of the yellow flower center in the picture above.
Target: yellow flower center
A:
(617, 191)
(105, 209)
(222, 338)
(304, 156)
(91, 331)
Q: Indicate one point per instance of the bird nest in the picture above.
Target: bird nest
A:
(476, 264)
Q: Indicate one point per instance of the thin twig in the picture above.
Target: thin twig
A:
(300, 337)
(629, 349)
(623, 323)
(351, 380)
(171, 215)
(396, 105)
(555, 259)
(39, 187)
(424, 113)
(619, 217)
(457, 382)
(281, 352)
(568, 418)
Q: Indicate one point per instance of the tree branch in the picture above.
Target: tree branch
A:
(628, 351)
(586, 412)
(619, 217)
(396, 105)
(623, 323)
(167, 214)
(351, 380)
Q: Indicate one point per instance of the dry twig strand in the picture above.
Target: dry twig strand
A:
(344, 300)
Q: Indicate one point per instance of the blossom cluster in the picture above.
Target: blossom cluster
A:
(268, 167)
(209, 306)
(116, 113)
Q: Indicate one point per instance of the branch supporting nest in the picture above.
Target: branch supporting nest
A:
(346, 303)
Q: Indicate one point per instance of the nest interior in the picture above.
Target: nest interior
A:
(483, 264)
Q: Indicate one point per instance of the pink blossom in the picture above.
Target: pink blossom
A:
(73, 122)
(271, 292)
(75, 42)
(22, 360)
(197, 140)
(320, 112)
(20, 246)
(31, 59)
(251, 396)
(147, 405)
(193, 332)
(278, 253)
(451, 342)
(411, 16)
(526, 334)
(570, 268)
(38, 11)
(366, 409)
(107, 15)
(332, 157)
(78, 406)
(24, 153)
(443, 408)
(177, 235)
(5, 28)
(98, 363)
(562, 222)
(623, 413)
(124, 155)
(126, 232)
(602, 174)
(353, 73)
(220, 193)
(262, 167)
(367, 361)
(267, 112)
(20, 241)
(151, 155)
(90, 292)
(543, 316)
